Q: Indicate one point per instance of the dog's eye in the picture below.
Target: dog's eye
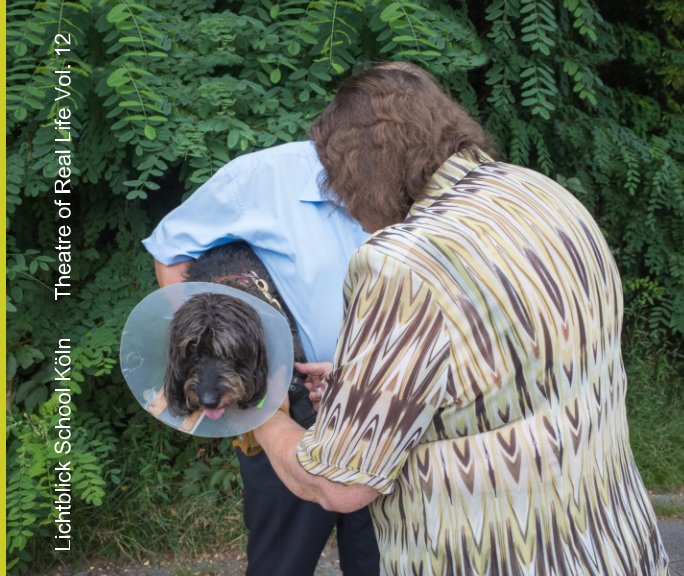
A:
(192, 348)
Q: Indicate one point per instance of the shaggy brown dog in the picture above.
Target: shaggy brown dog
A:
(217, 353)
(217, 356)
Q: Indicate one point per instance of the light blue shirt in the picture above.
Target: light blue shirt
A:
(271, 200)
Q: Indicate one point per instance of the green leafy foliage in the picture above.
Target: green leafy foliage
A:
(559, 101)
(162, 95)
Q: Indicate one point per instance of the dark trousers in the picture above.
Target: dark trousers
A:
(287, 534)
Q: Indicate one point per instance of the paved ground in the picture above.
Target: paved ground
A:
(231, 564)
(672, 532)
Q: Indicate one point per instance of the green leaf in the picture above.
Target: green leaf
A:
(20, 113)
(118, 14)
(131, 104)
(117, 78)
(27, 356)
(150, 132)
(11, 368)
(570, 68)
(275, 76)
(391, 12)
(131, 40)
(233, 138)
(36, 397)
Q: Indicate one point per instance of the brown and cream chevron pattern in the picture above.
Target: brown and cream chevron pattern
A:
(478, 385)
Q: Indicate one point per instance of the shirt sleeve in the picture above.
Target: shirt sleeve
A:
(213, 215)
(388, 378)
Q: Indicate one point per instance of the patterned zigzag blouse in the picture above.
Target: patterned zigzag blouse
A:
(478, 385)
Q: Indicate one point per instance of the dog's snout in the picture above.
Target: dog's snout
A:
(210, 402)
(208, 392)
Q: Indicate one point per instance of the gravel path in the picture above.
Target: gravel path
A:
(230, 564)
(233, 563)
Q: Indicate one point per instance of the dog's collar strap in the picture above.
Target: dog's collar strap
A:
(248, 278)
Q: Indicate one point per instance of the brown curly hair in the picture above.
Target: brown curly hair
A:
(384, 135)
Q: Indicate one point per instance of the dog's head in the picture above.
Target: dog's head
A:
(217, 356)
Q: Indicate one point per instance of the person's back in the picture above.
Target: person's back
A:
(526, 466)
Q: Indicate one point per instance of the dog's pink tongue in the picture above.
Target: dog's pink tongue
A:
(214, 413)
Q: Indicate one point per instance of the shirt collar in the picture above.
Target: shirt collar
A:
(448, 175)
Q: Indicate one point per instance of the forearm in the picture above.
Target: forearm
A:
(279, 438)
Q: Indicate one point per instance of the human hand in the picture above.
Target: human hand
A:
(316, 373)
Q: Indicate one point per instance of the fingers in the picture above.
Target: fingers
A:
(314, 369)
(316, 390)
(315, 372)
(315, 397)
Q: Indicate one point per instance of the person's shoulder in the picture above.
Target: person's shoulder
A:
(303, 151)
(397, 239)
(297, 158)
(379, 249)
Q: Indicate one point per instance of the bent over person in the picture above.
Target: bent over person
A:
(271, 200)
(477, 394)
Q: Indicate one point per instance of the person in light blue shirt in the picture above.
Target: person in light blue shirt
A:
(271, 199)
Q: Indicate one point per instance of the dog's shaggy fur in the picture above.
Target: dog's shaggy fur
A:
(217, 353)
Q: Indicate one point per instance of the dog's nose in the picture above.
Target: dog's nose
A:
(207, 386)
(209, 400)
